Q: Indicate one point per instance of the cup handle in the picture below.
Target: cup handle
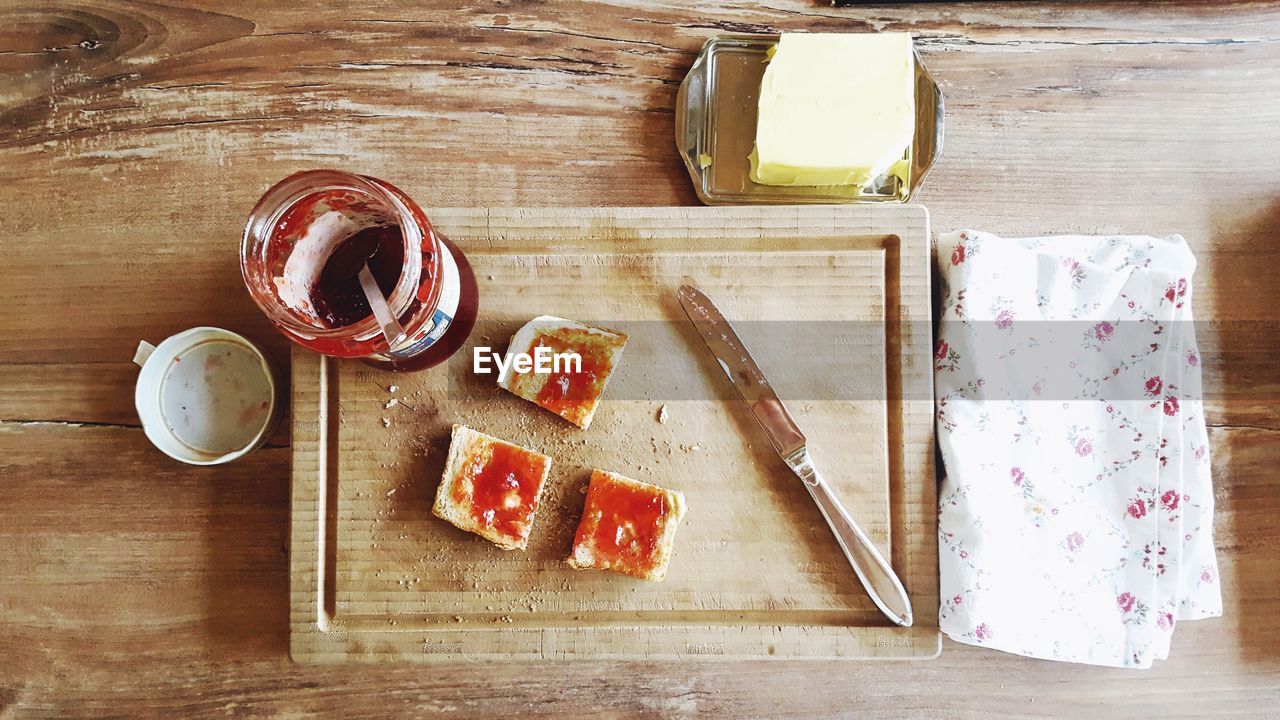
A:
(142, 353)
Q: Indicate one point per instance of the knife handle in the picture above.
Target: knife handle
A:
(873, 570)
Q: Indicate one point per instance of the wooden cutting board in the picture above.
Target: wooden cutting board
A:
(833, 302)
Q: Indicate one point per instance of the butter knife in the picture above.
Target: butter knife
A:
(877, 577)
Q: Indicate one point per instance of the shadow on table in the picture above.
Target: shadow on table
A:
(1242, 406)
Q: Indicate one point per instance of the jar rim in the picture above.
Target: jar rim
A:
(285, 195)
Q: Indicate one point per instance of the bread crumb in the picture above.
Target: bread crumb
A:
(391, 403)
(386, 422)
(394, 388)
(662, 414)
(391, 492)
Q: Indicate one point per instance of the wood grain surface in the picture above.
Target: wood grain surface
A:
(134, 138)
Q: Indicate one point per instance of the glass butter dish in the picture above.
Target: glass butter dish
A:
(716, 126)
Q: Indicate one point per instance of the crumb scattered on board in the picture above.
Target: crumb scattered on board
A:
(526, 430)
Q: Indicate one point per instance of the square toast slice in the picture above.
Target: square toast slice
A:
(627, 526)
(491, 487)
(572, 393)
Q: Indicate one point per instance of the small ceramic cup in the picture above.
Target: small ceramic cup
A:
(205, 396)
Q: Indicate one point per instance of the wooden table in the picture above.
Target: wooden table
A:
(134, 138)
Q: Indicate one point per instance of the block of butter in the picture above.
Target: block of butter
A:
(835, 109)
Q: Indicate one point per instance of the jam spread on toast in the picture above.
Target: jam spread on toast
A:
(504, 488)
(569, 392)
(627, 527)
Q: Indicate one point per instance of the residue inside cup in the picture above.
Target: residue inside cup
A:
(216, 397)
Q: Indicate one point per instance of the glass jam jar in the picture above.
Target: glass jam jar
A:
(307, 241)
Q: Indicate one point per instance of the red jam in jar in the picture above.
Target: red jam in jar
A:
(305, 245)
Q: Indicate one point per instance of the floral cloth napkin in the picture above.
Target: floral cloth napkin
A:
(1076, 513)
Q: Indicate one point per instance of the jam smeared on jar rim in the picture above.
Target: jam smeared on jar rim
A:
(337, 297)
(318, 247)
(315, 297)
(627, 527)
(504, 488)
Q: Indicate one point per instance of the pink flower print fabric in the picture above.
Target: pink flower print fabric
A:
(1076, 511)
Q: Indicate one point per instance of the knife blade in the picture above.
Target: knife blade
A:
(881, 583)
